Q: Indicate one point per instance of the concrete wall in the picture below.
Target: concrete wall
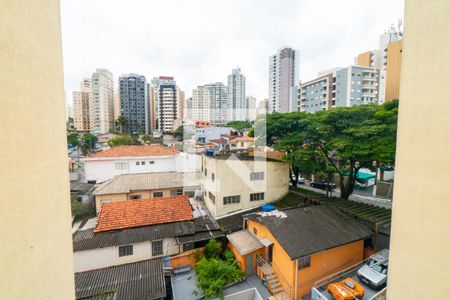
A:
(232, 177)
(35, 232)
(109, 256)
(419, 263)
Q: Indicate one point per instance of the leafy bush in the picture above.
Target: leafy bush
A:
(213, 249)
(213, 273)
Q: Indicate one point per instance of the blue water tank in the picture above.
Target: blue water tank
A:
(268, 207)
(209, 152)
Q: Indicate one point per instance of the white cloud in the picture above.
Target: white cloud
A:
(200, 41)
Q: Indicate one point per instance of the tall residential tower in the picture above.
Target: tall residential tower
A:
(165, 103)
(81, 110)
(283, 80)
(209, 103)
(102, 102)
(134, 105)
(236, 96)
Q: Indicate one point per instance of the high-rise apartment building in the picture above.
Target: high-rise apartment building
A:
(81, 110)
(102, 102)
(165, 103)
(250, 107)
(134, 105)
(339, 87)
(236, 95)
(283, 80)
(387, 59)
(209, 103)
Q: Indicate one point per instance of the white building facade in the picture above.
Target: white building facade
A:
(209, 103)
(102, 102)
(283, 80)
(166, 103)
(236, 96)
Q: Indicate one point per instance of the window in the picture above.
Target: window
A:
(143, 163)
(157, 194)
(304, 262)
(176, 192)
(232, 199)
(255, 231)
(151, 162)
(212, 197)
(257, 176)
(138, 163)
(256, 196)
(206, 172)
(133, 197)
(212, 177)
(125, 250)
(157, 248)
(121, 166)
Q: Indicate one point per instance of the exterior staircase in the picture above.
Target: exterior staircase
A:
(271, 277)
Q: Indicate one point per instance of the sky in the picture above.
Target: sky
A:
(201, 41)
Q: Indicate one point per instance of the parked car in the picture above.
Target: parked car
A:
(322, 184)
(374, 272)
(347, 289)
(301, 180)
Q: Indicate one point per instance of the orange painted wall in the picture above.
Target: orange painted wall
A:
(240, 259)
(327, 263)
(186, 258)
(394, 61)
(281, 260)
(364, 59)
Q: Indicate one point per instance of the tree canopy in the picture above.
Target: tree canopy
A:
(88, 142)
(342, 139)
(239, 124)
(123, 139)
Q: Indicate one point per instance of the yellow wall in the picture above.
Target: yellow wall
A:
(35, 222)
(364, 59)
(146, 194)
(232, 177)
(420, 241)
(329, 262)
(394, 60)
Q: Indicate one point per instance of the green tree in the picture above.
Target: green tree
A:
(342, 139)
(213, 249)
(72, 139)
(179, 133)
(123, 139)
(122, 124)
(239, 124)
(147, 139)
(88, 142)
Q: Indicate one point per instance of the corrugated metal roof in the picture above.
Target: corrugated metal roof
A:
(134, 182)
(140, 280)
(87, 239)
(200, 236)
(244, 242)
(310, 230)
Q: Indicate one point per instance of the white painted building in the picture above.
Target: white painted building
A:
(101, 103)
(236, 96)
(209, 103)
(106, 164)
(205, 134)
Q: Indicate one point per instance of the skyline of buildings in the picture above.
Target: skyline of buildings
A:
(373, 78)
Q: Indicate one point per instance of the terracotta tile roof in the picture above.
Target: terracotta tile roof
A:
(243, 139)
(126, 150)
(268, 154)
(143, 212)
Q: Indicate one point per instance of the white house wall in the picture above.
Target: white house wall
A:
(109, 256)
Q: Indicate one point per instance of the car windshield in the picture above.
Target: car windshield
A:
(377, 267)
